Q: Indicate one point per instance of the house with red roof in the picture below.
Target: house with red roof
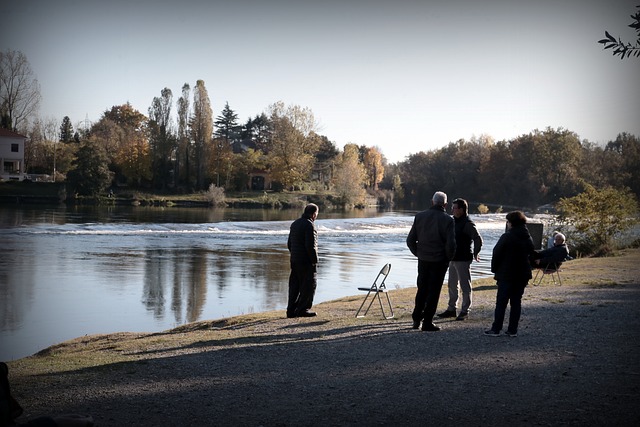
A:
(11, 155)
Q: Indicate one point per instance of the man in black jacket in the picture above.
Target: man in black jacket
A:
(460, 266)
(432, 239)
(303, 247)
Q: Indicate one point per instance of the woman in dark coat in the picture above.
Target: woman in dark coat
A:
(512, 272)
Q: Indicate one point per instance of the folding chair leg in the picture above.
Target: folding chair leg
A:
(537, 281)
(390, 306)
(362, 305)
(376, 295)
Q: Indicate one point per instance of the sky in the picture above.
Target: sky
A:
(402, 75)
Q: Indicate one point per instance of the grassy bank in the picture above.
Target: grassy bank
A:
(90, 351)
(13, 192)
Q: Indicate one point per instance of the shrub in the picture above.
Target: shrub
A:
(594, 218)
(483, 209)
(215, 195)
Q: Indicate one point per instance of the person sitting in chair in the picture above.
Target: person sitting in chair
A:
(552, 257)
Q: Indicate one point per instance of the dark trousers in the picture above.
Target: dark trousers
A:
(508, 293)
(430, 280)
(302, 288)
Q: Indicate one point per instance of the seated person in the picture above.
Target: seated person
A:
(552, 257)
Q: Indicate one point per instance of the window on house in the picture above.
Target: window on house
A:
(15, 148)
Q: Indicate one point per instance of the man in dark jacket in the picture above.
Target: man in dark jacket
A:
(303, 247)
(431, 239)
(552, 257)
(510, 265)
(460, 266)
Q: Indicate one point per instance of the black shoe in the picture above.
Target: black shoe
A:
(290, 315)
(416, 324)
(430, 327)
(447, 313)
(492, 333)
(511, 334)
(307, 313)
(462, 316)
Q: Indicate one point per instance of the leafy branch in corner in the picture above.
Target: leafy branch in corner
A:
(621, 48)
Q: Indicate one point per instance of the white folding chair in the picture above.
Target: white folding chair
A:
(374, 291)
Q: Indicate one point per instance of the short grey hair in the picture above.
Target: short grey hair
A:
(559, 236)
(439, 198)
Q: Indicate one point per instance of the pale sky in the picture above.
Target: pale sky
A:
(403, 75)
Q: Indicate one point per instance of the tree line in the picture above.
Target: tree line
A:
(180, 147)
(528, 171)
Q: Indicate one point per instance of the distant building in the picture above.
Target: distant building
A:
(11, 155)
(259, 180)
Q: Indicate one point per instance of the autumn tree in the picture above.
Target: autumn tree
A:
(349, 177)
(123, 132)
(19, 90)
(201, 132)
(293, 144)
(373, 165)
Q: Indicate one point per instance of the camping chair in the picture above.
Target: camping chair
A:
(374, 291)
(552, 269)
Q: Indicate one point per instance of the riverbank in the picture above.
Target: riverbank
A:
(39, 193)
(573, 363)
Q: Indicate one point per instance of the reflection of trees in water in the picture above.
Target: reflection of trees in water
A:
(197, 283)
(16, 288)
(268, 270)
(186, 270)
(188, 273)
(154, 282)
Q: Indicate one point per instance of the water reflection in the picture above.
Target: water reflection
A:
(65, 274)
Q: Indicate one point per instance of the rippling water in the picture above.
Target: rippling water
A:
(69, 273)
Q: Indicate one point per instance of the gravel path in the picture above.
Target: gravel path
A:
(575, 362)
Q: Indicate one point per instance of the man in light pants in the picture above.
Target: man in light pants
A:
(460, 265)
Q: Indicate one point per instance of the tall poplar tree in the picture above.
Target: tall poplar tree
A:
(201, 132)
(161, 138)
(182, 166)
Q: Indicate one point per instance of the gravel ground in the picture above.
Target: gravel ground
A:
(575, 362)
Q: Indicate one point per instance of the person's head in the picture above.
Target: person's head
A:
(311, 211)
(439, 199)
(559, 239)
(516, 218)
(460, 207)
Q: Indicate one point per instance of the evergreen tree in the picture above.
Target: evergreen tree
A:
(90, 175)
(226, 125)
(66, 130)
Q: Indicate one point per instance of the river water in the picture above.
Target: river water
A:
(70, 272)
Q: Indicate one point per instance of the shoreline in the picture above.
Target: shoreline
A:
(574, 362)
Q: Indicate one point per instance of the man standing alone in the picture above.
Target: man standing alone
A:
(432, 240)
(460, 265)
(303, 247)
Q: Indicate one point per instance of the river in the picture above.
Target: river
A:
(70, 272)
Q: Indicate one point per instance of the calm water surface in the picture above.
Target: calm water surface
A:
(70, 272)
